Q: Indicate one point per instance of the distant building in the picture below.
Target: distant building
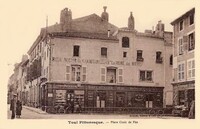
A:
(98, 65)
(184, 61)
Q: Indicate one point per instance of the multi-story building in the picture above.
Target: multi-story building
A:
(91, 62)
(184, 61)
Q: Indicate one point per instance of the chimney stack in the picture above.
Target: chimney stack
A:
(105, 15)
(65, 19)
(131, 22)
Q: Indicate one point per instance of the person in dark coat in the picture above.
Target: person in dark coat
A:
(18, 108)
(191, 114)
(13, 106)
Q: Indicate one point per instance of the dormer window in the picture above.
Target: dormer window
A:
(125, 42)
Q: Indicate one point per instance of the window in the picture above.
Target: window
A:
(191, 42)
(103, 52)
(191, 19)
(180, 46)
(171, 60)
(158, 57)
(181, 72)
(111, 75)
(180, 25)
(76, 73)
(191, 69)
(124, 54)
(76, 51)
(125, 42)
(139, 55)
(146, 75)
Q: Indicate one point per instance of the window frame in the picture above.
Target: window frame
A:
(190, 41)
(180, 46)
(181, 71)
(74, 51)
(191, 62)
(181, 28)
(125, 42)
(104, 52)
(145, 75)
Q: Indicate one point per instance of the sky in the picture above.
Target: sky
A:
(21, 20)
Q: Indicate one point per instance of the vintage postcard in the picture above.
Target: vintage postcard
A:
(99, 64)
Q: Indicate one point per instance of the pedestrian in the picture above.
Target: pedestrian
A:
(191, 114)
(18, 108)
(72, 106)
(13, 106)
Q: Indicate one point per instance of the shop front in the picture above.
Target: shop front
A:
(92, 97)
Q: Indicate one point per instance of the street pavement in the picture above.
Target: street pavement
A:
(34, 113)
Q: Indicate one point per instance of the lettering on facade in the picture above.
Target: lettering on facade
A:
(95, 61)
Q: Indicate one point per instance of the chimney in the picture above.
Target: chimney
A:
(108, 33)
(131, 22)
(65, 19)
(105, 15)
(160, 28)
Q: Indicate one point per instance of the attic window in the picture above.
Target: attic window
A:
(125, 42)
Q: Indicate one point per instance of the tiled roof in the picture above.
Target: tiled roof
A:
(102, 36)
(182, 16)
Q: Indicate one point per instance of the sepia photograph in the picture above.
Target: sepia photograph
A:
(98, 62)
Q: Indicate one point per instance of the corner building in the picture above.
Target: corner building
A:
(98, 65)
(184, 59)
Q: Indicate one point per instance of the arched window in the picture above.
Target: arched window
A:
(125, 42)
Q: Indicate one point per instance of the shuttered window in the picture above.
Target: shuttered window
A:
(84, 74)
(103, 74)
(68, 73)
(120, 75)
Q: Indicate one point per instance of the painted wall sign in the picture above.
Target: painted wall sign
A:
(94, 61)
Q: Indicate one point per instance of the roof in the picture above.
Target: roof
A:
(102, 36)
(183, 16)
(90, 26)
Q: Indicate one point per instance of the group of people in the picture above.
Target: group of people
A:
(15, 107)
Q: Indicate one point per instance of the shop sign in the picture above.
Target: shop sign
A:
(95, 61)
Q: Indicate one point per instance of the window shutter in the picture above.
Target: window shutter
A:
(103, 74)
(84, 74)
(68, 73)
(185, 42)
(120, 75)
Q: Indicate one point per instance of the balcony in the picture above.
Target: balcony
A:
(141, 59)
(159, 60)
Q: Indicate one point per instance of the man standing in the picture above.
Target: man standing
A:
(13, 106)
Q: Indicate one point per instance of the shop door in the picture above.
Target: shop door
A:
(101, 100)
(70, 97)
(149, 101)
(120, 99)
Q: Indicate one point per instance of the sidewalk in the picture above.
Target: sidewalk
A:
(37, 110)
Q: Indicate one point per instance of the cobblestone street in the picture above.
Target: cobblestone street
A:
(34, 113)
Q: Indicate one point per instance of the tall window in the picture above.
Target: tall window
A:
(76, 50)
(125, 42)
(76, 73)
(181, 25)
(191, 19)
(139, 55)
(191, 69)
(171, 60)
(181, 73)
(103, 52)
(158, 57)
(180, 46)
(146, 75)
(191, 42)
(111, 75)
